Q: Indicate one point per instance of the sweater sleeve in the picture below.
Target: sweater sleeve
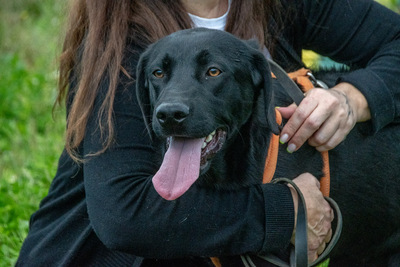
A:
(363, 34)
(128, 215)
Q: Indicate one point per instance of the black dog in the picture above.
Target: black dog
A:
(211, 96)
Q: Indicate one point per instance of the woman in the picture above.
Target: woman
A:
(102, 209)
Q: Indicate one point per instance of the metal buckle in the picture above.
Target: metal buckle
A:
(316, 82)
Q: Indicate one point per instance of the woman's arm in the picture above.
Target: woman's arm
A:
(365, 35)
(362, 34)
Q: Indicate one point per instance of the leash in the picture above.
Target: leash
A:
(298, 255)
(287, 83)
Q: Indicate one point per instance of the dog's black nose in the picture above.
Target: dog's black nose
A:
(171, 113)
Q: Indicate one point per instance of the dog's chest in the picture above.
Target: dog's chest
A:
(291, 165)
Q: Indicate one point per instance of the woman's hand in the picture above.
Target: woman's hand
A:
(324, 117)
(319, 215)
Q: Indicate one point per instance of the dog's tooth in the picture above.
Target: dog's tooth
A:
(209, 138)
(204, 145)
(213, 133)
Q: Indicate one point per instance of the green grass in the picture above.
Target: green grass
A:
(30, 138)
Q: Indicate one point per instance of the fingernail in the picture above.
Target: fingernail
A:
(284, 138)
(291, 148)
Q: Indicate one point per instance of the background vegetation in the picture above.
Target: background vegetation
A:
(30, 138)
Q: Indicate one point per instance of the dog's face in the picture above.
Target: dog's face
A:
(197, 88)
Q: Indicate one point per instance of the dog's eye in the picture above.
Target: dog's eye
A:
(158, 73)
(213, 72)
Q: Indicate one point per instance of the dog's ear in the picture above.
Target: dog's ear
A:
(262, 78)
(143, 92)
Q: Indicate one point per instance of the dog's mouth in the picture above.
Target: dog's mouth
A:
(183, 161)
(212, 145)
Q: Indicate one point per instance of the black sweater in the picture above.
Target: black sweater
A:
(103, 212)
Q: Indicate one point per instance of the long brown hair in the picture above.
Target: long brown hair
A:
(95, 41)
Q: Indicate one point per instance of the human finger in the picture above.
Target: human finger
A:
(288, 111)
(328, 236)
(301, 113)
(335, 140)
(312, 124)
(332, 132)
(306, 180)
(321, 248)
(312, 256)
(325, 132)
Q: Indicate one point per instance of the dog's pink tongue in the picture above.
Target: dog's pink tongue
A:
(180, 167)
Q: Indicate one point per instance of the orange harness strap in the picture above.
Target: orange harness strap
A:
(216, 261)
(272, 156)
(300, 77)
(272, 159)
(325, 181)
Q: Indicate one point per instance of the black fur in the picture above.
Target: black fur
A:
(365, 170)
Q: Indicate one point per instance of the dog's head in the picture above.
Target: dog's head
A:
(197, 88)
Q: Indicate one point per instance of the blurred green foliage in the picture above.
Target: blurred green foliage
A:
(392, 4)
(30, 138)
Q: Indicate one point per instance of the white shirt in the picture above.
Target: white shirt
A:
(213, 23)
(217, 24)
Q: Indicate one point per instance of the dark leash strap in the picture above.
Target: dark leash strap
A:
(298, 257)
(300, 244)
(287, 83)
